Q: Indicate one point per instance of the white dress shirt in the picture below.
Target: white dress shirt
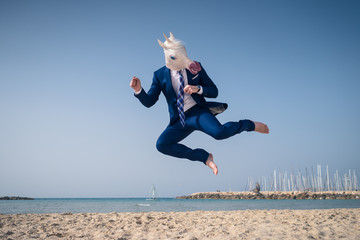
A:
(189, 102)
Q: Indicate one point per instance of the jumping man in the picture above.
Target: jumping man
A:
(185, 86)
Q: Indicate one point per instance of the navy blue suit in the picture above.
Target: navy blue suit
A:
(200, 117)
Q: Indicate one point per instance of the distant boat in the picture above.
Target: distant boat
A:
(153, 194)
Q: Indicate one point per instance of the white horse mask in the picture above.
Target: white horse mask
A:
(176, 57)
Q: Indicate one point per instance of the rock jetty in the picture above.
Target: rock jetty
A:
(16, 198)
(274, 195)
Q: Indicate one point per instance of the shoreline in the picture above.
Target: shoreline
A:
(243, 224)
(273, 195)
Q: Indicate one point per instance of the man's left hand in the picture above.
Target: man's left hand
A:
(190, 89)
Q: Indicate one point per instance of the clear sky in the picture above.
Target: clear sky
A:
(71, 127)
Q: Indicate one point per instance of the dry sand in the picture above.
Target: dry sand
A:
(249, 224)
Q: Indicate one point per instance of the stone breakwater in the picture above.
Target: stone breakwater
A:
(274, 195)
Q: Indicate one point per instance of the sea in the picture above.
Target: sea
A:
(106, 205)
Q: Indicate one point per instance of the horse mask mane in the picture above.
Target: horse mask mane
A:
(176, 57)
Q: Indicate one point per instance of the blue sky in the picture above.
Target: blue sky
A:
(71, 127)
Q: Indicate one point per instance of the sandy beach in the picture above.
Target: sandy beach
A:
(247, 224)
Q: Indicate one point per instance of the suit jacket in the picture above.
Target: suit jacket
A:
(162, 83)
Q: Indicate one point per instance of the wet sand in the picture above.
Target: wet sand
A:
(247, 224)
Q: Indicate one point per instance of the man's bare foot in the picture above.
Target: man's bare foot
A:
(261, 127)
(210, 163)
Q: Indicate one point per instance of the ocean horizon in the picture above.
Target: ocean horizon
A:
(106, 205)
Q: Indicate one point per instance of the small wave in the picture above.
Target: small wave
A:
(143, 205)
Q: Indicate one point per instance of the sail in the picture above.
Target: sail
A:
(153, 193)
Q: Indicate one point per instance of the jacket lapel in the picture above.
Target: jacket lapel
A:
(168, 83)
(191, 78)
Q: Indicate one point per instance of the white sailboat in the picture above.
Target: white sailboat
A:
(153, 194)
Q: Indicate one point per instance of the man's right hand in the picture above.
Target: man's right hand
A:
(135, 84)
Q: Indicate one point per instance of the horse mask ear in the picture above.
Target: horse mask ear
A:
(167, 39)
(161, 44)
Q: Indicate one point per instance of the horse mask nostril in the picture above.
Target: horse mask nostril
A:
(194, 67)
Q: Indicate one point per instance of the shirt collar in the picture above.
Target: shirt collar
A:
(174, 73)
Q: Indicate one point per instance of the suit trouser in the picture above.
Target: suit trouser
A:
(198, 118)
